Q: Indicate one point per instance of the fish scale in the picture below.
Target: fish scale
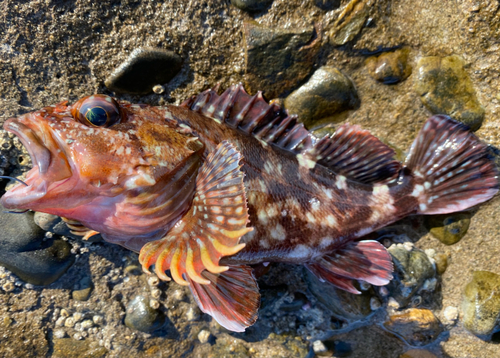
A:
(204, 190)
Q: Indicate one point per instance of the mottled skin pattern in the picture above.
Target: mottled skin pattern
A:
(299, 213)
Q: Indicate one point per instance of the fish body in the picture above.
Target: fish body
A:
(210, 187)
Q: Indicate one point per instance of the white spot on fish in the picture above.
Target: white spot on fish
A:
(419, 189)
(278, 232)
(300, 252)
(325, 242)
(304, 161)
(332, 222)
(340, 182)
(262, 215)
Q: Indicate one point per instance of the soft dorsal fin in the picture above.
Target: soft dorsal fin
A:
(355, 153)
(351, 151)
(254, 116)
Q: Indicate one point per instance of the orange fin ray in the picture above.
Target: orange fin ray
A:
(211, 229)
(232, 298)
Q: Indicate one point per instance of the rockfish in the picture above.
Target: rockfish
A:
(208, 188)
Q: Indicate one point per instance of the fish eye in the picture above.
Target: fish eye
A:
(97, 111)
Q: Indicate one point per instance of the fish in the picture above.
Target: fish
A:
(207, 190)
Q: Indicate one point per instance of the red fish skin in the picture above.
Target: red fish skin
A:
(299, 213)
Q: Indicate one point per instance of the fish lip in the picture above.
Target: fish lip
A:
(21, 195)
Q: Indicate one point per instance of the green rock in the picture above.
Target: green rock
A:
(327, 92)
(276, 60)
(481, 304)
(449, 229)
(445, 88)
(390, 67)
(142, 317)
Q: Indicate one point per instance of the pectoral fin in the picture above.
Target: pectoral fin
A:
(211, 228)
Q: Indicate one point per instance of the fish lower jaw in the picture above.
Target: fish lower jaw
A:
(21, 196)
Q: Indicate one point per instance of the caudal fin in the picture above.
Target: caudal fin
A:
(453, 169)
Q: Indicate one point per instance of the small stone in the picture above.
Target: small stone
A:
(449, 228)
(204, 336)
(277, 59)
(142, 317)
(70, 322)
(319, 348)
(158, 89)
(26, 254)
(88, 323)
(441, 261)
(326, 93)
(350, 22)
(445, 88)
(417, 353)
(143, 69)
(450, 313)
(78, 336)
(85, 290)
(7, 321)
(59, 333)
(251, 5)
(192, 313)
(417, 327)
(64, 313)
(60, 321)
(8, 287)
(390, 67)
(481, 304)
(98, 319)
(77, 316)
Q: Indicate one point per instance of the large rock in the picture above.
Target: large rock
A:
(277, 60)
(418, 327)
(445, 88)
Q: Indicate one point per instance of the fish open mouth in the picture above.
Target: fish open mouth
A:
(38, 178)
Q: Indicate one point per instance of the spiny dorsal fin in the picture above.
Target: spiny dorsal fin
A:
(254, 116)
(351, 151)
(355, 153)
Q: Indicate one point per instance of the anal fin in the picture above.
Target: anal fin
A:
(363, 260)
(232, 297)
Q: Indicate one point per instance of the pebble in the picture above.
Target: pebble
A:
(319, 348)
(144, 69)
(390, 67)
(84, 290)
(24, 252)
(140, 316)
(411, 269)
(417, 327)
(445, 88)
(204, 336)
(343, 304)
(449, 229)
(251, 5)
(77, 316)
(192, 314)
(69, 322)
(450, 313)
(88, 323)
(441, 261)
(327, 92)
(277, 60)
(59, 333)
(98, 319)
(481, 304)
(327, 4)
(350, 22)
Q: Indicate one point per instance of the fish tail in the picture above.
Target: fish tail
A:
(452, 168)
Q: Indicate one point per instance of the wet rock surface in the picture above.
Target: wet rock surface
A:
(481, 304)
(445, 88)
(350, 21)
(55, 50)
(326, 93)
(143, 69)
(26, 252)
(390, 67)
(276, 60)
(251, 5)
(71, 348)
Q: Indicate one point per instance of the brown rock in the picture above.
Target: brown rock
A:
(418, 327)
(390, 67)
(417, 353)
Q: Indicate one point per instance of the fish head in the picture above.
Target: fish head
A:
(94, 158)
